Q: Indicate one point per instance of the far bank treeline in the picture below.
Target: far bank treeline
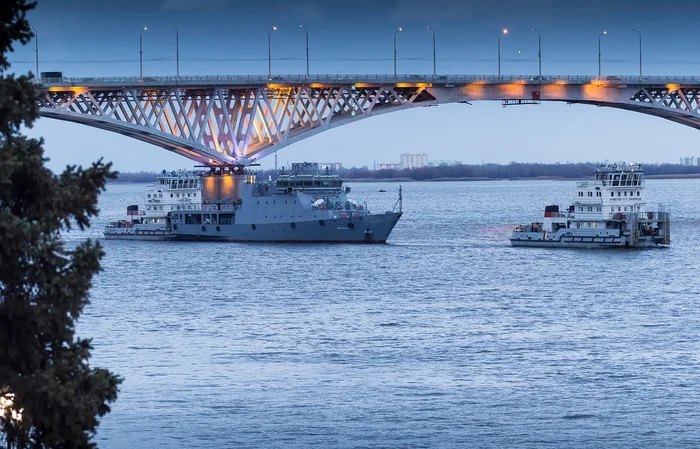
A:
(581, 170)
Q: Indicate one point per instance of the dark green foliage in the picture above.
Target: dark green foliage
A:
(43, 285)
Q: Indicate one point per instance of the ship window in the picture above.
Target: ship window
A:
(590, 193)
(637, 192)
(625, 208)
(171, 195)
(625, 193)
(612, 193)
(148, 196)
(590, 209)
(177, 195)
(619, 193)
(619, 208)
(188, 195)
(160, 195)
(612, 209)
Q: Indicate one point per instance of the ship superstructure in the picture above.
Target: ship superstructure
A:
(607, 211)
(173, 191)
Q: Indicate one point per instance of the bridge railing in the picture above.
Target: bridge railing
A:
(133, 81)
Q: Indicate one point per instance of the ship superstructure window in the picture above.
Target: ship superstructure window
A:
(611, 194)
(637, 192)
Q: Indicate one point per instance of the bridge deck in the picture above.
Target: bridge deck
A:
(262, 80)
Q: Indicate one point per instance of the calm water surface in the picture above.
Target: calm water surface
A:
(444, 337)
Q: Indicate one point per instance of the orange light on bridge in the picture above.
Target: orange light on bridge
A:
(74, 89)
(414, 84)
(672, 87)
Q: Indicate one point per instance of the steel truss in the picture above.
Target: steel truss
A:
(215, 125)
(239, 124)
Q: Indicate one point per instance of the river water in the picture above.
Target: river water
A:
(444, 337)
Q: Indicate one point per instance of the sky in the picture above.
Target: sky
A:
(99, 38)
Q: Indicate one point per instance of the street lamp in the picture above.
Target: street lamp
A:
(141, 52)
(269, 52)
(504, 32)
(539, 50)
(177, 51)
(400, 29)
(640, 52)
(36, 52)
(599, 36)
(307, 50)
(434, 60)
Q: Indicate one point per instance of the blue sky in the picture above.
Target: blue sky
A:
(87, 38)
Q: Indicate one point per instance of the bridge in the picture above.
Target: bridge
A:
(239, 119)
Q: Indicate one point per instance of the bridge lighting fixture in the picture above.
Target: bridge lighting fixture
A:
(177, 51)
(36, 53)
(269, 53)
(434, 59)
(141, 52)
(599, 36)
(539, 50)
(504, 32)
(640, 52)
(307, 50)
(400, 29)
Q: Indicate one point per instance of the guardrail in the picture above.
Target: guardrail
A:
(359, 78)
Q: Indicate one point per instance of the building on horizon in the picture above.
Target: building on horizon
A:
(417, 160)
(333, 166)
(408, 161)
(690, 160)
(444, 163)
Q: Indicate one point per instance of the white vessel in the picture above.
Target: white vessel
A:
(608, 211)
(173, 191)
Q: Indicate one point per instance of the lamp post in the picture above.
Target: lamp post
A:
(640, 52)
(177, 51)
(539, 51)
(400, 29)
(434, 60)
(36, 52)
(307, 49)
(599, 36)
(141, 52)
(269, 52)
(504, 32)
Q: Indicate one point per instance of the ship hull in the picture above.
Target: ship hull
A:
(533, 239)
(367, 229)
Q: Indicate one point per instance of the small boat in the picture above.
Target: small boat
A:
(608, 212)
(382, 190)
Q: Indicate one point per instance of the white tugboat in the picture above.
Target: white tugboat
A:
(608, 211)
(173, 191)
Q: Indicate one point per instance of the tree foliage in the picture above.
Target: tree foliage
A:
(51, 395)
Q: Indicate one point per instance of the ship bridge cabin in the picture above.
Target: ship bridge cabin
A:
(307, 176)
(615, 189)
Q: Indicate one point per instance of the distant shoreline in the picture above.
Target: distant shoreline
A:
(465, 179)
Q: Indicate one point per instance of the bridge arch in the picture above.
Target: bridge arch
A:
(236, 120)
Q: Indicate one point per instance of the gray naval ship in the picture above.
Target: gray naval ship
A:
(306, 204)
